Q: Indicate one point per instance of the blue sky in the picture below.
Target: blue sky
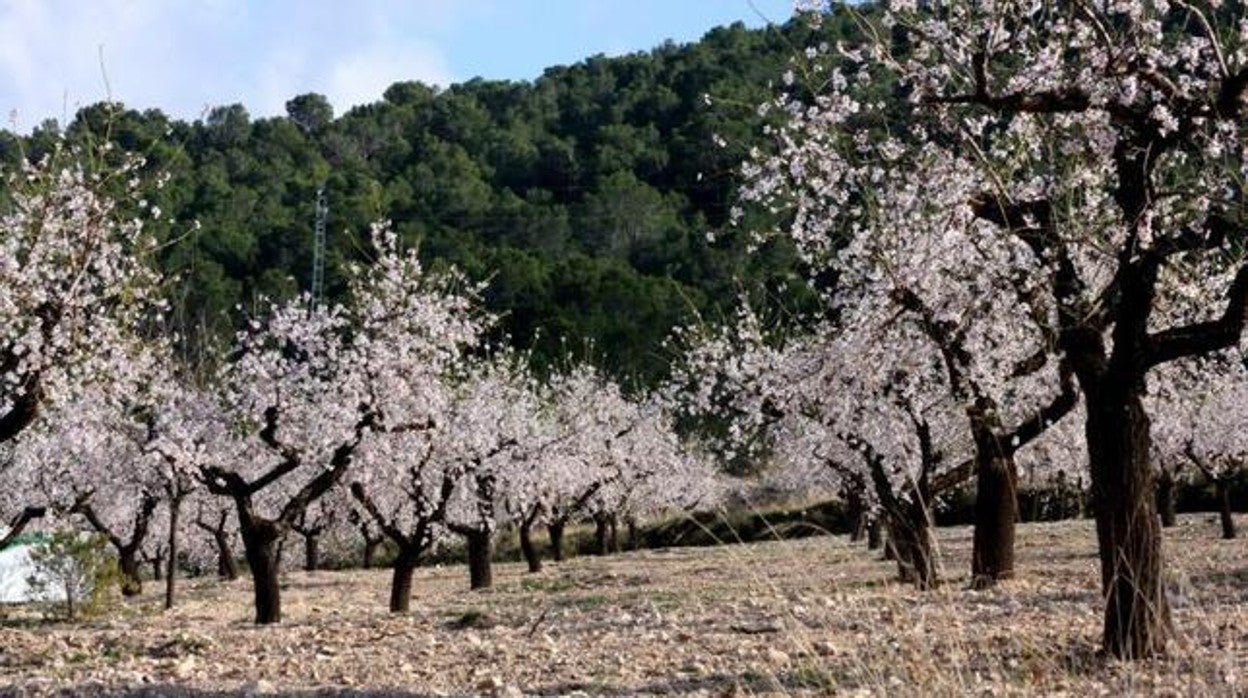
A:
(184, 56)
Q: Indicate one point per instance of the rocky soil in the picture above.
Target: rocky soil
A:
(813, 617)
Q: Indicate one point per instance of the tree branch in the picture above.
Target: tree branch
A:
(19, 523)
(1203, 337)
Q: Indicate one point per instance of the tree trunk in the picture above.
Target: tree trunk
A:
(996, 513)
(227, 568)
(171, 575)
(370, 552)
(261, 545)
(555, 529)
(1137, 614)
(633, 541)
(311, 553)
(158, 568)
(401, 582)
(855, 516)
(281, 550)
(873, 534)
(1223, 491)
(529, 550)
(614, 539)
(1165, 498)
(480, 552)
(128, 564)
(600, 535)
(910, 538)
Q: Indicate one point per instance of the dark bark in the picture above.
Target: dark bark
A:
(1223, 490)
(260, 543)
(401, 581)
(613, 540)
(370, 552)
(531, 555)
(1137, 613)
(555, 529)
(128, 565)
(855, 515)
(601, 534)
(1165, 498)
(26, 401)
(227, 567)
(907, 518)
(171, 575)
(633, 541)
(890, 550)
(480, 559)
(873, 533)
(311, 553)
(910, 537)
(158, 567)
(996, 513)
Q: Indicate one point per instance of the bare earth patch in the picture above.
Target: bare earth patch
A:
(808, 617)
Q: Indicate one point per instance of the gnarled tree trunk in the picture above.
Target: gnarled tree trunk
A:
(555, 529)
(996, 513)
(855, 515)
(227, 568)
(613, 540)
(480, 559)
(531, 556)
(602, 534)
(171, 576)
(311, 553)
(1165, 498)
(874, 533)
(1137, 614)
(910, 537)
(401, 581)
(1222, 488)
(261, 543)
(131, 578)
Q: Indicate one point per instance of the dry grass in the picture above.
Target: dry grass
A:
(803, 617)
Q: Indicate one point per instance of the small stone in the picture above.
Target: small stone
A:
(490, 683)
(775, 656)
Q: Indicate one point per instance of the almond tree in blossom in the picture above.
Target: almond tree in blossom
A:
(73, 283)
(489, 427)
(869, 403)
(404, 494)
(215, 518)
(1202, 407)
(1104, 139)
(308, 386)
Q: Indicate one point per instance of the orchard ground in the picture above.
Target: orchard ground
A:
(812, 616)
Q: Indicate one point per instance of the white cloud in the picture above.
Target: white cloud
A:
(184, 56)
(362, 77)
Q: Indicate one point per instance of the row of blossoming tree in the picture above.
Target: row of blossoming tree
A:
(386, 414)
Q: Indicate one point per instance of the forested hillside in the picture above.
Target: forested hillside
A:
(583, 198)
